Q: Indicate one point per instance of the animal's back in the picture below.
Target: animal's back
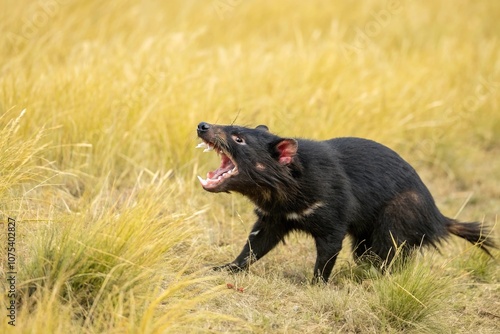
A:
(376, 172)
(394, 203)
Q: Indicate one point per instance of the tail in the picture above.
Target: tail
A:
(474, 233)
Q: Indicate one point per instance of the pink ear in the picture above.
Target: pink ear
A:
(287, 149)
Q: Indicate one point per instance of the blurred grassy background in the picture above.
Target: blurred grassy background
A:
(113, 92)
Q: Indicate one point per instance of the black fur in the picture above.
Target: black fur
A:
(328, 189)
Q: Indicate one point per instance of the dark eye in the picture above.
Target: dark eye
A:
(238, 139)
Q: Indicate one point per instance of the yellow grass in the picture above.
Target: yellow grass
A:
(99, 103)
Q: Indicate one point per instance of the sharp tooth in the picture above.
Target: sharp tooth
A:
(208, 149)
(202, 145)
(203, 182)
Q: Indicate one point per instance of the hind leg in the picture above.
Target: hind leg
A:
(361, 247)
(407, 222)
(393, 236)
(365, 253)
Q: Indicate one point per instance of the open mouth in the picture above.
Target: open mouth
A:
(226, 169)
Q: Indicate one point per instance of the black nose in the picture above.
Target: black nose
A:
(203, 127)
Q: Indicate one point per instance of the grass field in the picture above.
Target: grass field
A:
(99, 103)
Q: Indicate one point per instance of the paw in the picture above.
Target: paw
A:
(319, 280)
(231, 267)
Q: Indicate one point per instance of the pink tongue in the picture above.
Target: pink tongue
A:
(225, 166)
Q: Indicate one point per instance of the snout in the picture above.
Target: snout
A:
(203, 127)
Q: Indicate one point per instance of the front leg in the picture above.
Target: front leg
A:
(328, 248)
(263, 237)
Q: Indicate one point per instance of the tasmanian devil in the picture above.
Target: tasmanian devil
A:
(328, 189)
